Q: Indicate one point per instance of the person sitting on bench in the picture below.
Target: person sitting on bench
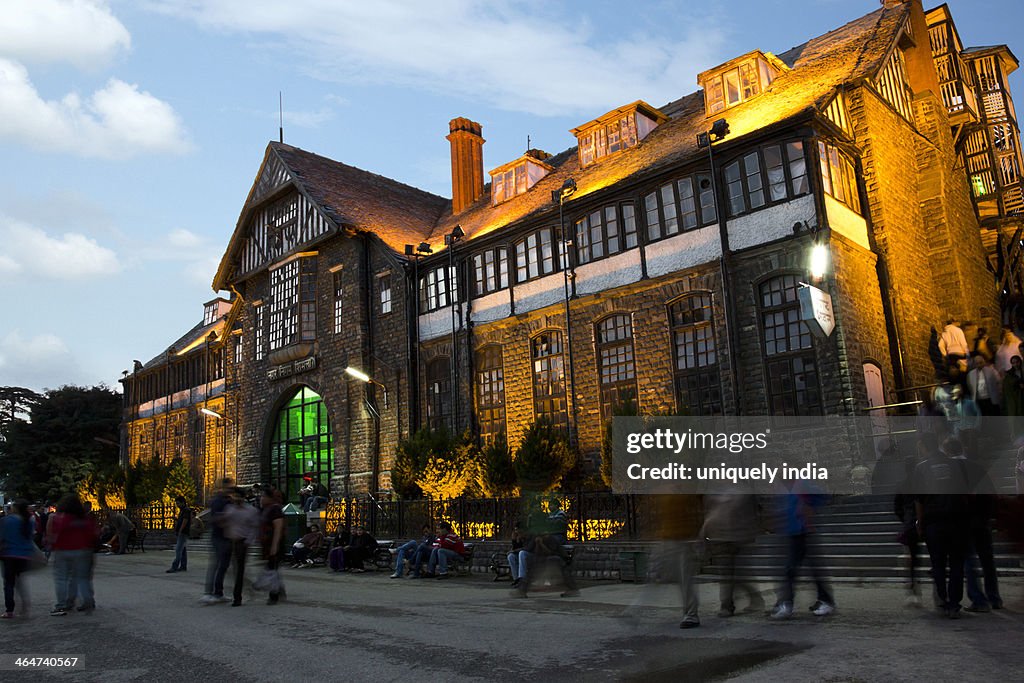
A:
(449, 547)
(417, 552)
(306, 546)
(357, 551)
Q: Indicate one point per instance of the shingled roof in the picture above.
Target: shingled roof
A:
(400, 214)
(846, 55)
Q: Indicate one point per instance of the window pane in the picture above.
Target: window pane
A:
(826, 178)
(687, 204)
(734, 188)
(797, 168)
(707, 200)
(653, 219)
(583, 241)
(838, 184)
(755, 188)
(732, 87)
(629, 225)
(611, 230)
(776, 172)
(668, 205)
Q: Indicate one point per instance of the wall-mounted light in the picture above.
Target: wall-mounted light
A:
(819, 261)
(358, 374)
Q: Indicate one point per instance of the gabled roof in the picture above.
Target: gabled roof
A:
(186, 342)
(400, 214)
(849, 54)
(349, 197)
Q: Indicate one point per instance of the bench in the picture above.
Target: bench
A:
(462, 565)
(136, 541)
(499, 562)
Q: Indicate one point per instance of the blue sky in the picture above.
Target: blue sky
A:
(132, 130)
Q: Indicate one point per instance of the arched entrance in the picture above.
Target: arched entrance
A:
(301, 443)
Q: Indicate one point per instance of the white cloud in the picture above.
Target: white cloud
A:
(533, 58)
(42, 360)
(8, 265)
(184, 239)
(116, 122)
(69, 256)
(81, 32)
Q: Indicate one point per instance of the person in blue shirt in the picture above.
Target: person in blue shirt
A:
(16, 551)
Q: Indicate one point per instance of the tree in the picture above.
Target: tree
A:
(145, 481)
(412, 456)
(448, 474)
(179, 482)
(543, 458)
(497, 473)
(71, 434)
(16, 403)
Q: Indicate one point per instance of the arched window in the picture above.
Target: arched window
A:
(549, 399)
(439, 394)
(790, 366)
(301, 444)
(490, 393)
(697, 381)
(616, 368)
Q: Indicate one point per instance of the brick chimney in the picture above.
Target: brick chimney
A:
(467, 162)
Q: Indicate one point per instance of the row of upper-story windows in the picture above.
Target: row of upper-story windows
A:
(766, 176)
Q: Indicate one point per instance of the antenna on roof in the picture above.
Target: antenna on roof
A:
(527, 142)
(280, 113)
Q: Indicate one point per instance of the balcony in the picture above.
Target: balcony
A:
(961, 103)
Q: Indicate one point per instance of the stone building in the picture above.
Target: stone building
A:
(655, 266)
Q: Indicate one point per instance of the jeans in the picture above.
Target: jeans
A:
(239, 549)
(180, 553)
(72, 577)
(947, 547)
(981, 545)
(220, 560)
(406, 551)
(13, 567)
(724, 553)
(799, 545)
(439, 558)
(517, 560)
(548, 547)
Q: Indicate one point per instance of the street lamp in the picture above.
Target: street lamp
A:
(567, 190)
(415, 253)
(213, 413)
(450, 240)
(363, 377)
(718, 132)
(819, 261)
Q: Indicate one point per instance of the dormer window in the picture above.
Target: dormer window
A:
(738, 80)
(518, 176)
(615, 131)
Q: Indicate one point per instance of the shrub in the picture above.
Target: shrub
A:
(542, 458)
(412, 457)
(497, 474)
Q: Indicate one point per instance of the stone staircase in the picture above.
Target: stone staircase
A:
(856, 541)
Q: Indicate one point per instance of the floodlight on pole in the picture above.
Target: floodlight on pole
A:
(212, 413)
(358, 374)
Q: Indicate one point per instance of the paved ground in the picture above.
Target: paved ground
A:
(149, 626)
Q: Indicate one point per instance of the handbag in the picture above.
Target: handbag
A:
(269, 580)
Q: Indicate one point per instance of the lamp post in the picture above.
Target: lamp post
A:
(223, 443)
(355, 373)
(718, 131)
(451, 239)
(567, 190)
(415, 253)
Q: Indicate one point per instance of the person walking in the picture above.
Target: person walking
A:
(983, 384)
(241, 527)
(800, 505)
(72, 536)
(730, 526)
(16, 533)
(220, 558)
(272, 539)
(941, 508)
(182, 527)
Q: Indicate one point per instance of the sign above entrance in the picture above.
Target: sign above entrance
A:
(289, 369)
(816, 310)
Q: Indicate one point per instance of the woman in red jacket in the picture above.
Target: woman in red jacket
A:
(72, 537)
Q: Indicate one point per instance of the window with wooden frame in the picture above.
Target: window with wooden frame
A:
(339, 306)
(697, 380)
(438, 289)
(537, 255)
(684, 204)
(293, 302)
(784, 166)
(790, 365)
(257, 332)
(838, 176)
(616, 366)
(605, 232)
(893, 85)
(490, 393)
(549, 395)
(439, 393)
(384, 289)
(490, 271)
(607, 138)
(740, 82)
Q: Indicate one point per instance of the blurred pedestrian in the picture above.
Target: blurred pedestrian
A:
(182, 527)
(241, 527)
(72, 535)
(272, 538)
(983, 384)
(220, 549)
(800, 505)
(1008, 348)
(940, 501)
(16, 551)
(730, 526)
(122, 528)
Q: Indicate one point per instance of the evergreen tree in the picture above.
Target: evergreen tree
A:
(179, 483)
(497, 474)
(542, 458)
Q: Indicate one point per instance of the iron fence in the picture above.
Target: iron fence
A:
(592, 516)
